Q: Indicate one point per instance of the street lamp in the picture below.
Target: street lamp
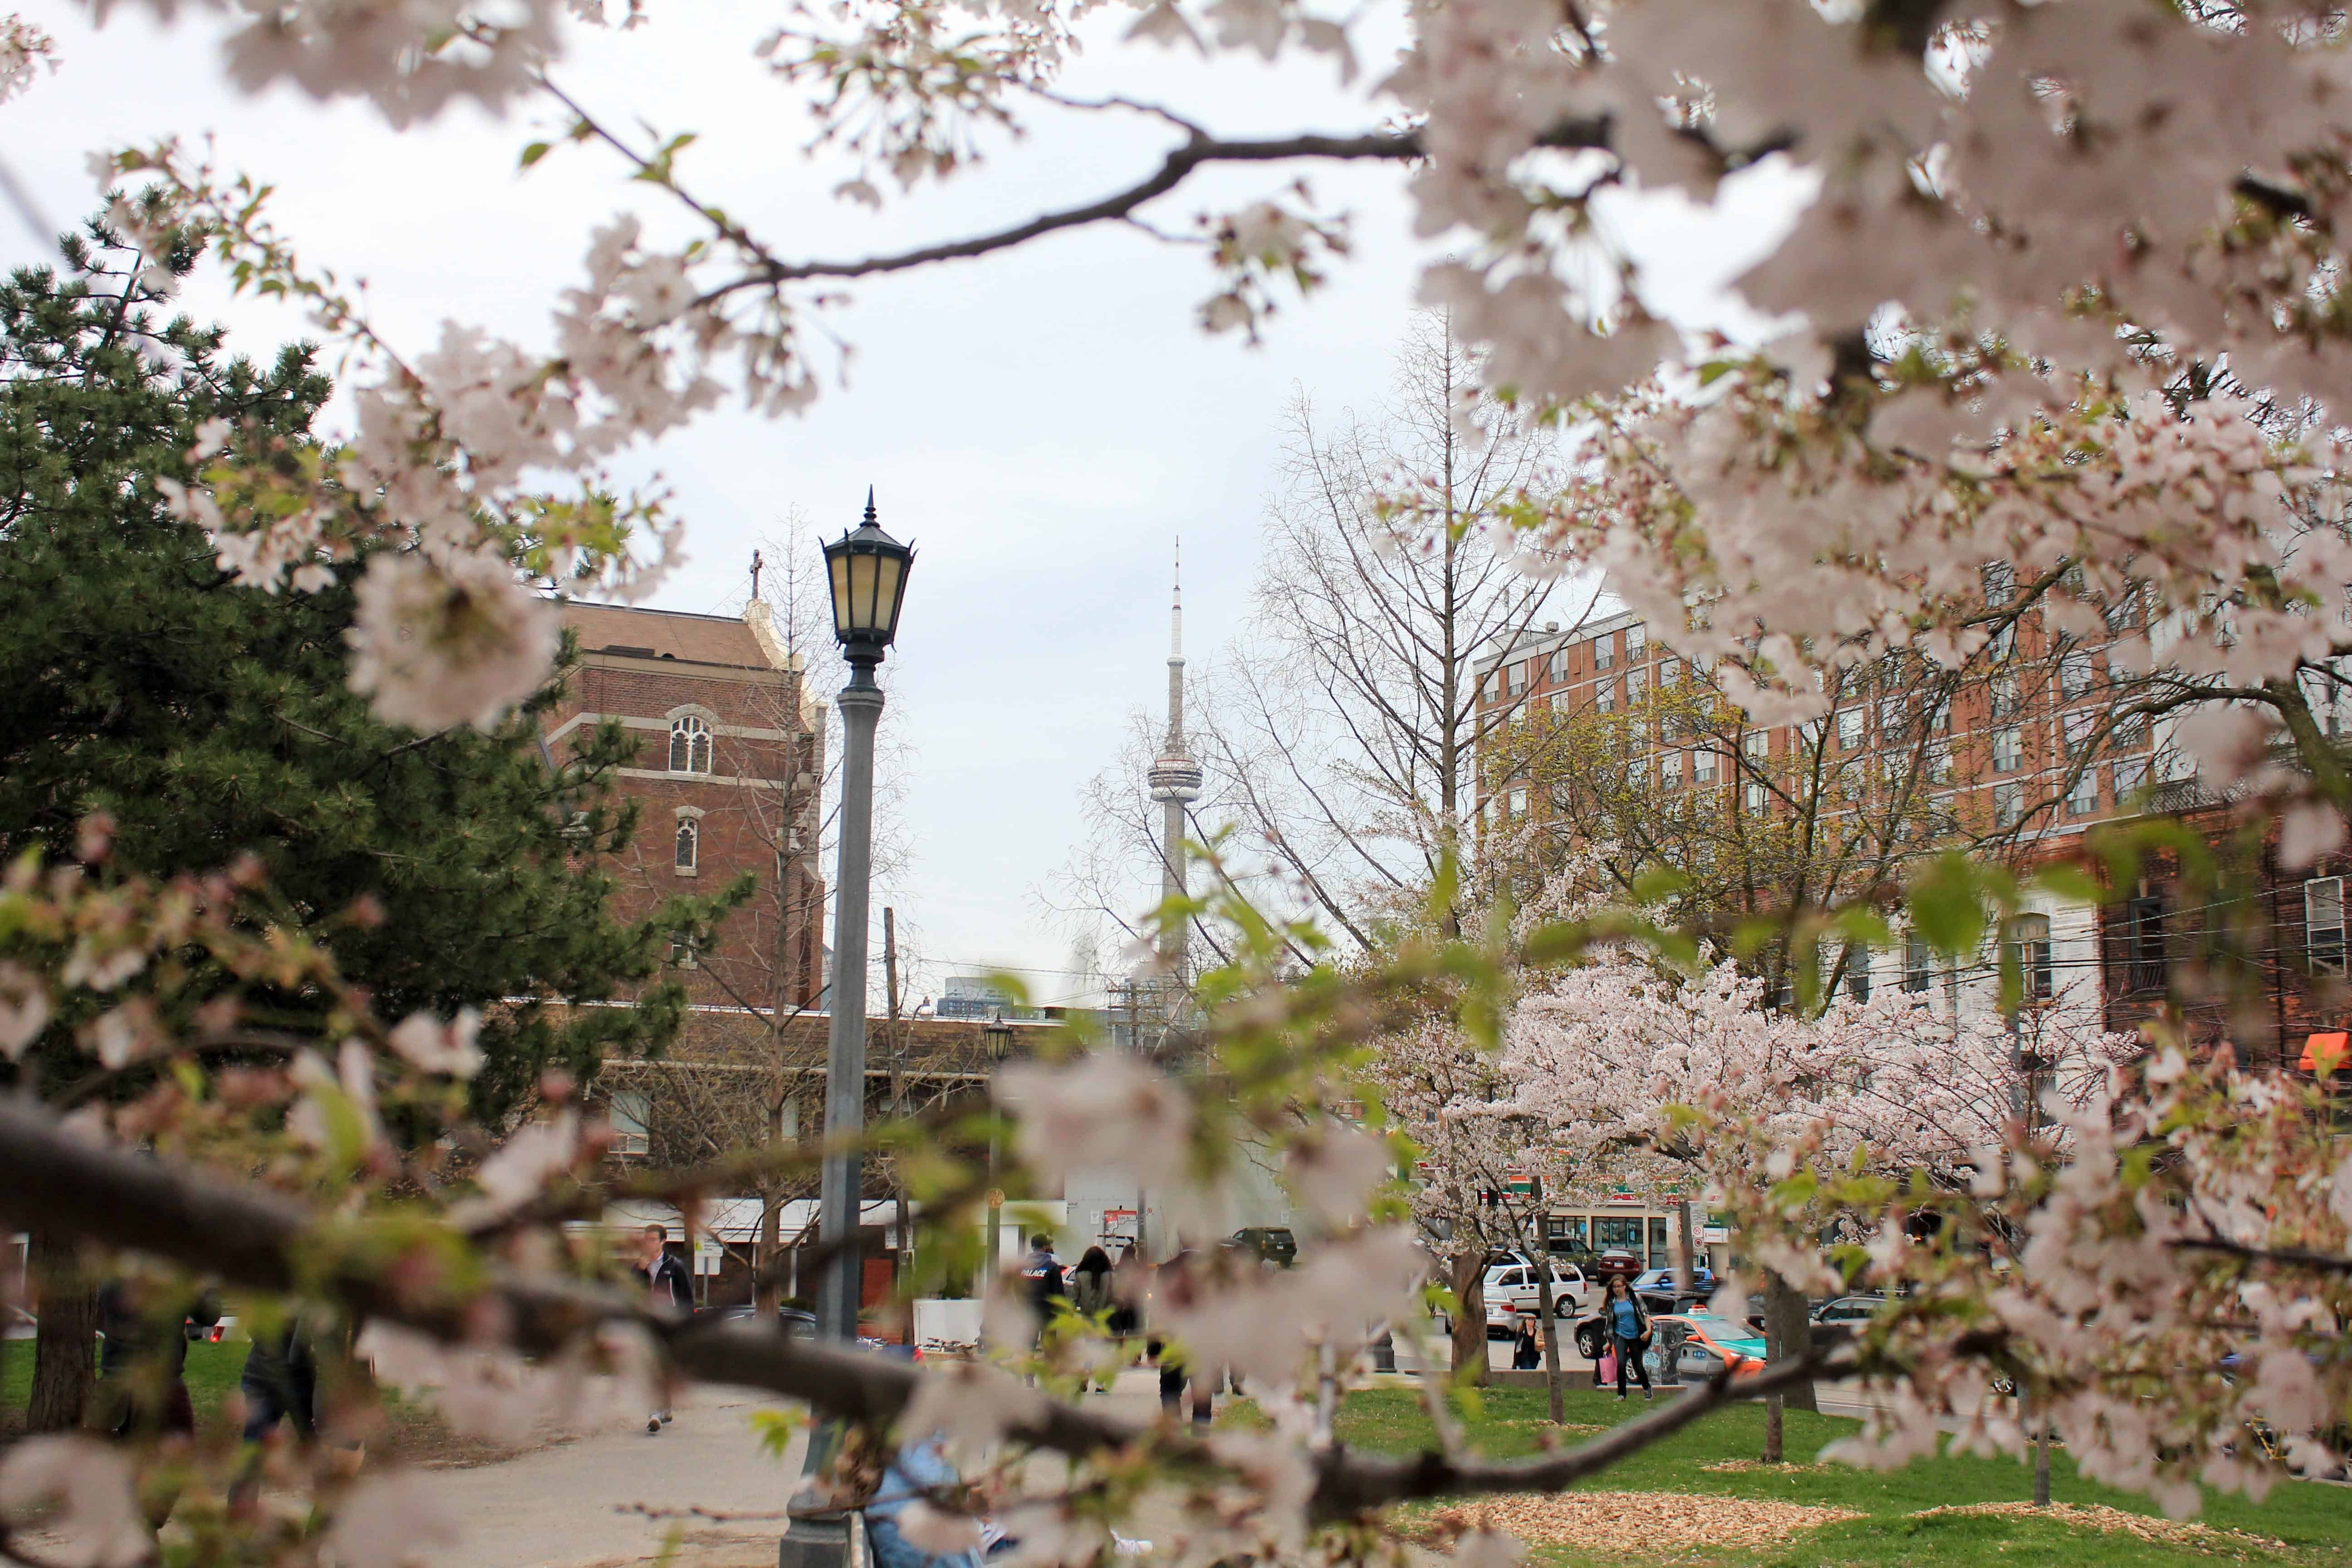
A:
(866, 569)
(1000, 1043)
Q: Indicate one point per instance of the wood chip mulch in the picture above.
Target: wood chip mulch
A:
(2098, 1516)
(1641, 1524)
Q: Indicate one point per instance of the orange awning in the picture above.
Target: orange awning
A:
(2323, 1054)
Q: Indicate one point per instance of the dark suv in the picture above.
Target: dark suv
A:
(1268, 1244)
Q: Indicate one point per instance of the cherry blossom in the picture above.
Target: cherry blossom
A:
(430, 1046)
(448, 638)
(1102, 1109)
(22, 47)
(95, 1518)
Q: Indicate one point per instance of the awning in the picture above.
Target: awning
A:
(2323, 1054)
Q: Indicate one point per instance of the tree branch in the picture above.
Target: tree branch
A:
(254, 1239)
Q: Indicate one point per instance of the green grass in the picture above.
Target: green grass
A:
(213, 1371)
(2315, 1520)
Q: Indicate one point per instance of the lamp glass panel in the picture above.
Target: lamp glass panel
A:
(885, 593)
(861, 592)
(840, 567)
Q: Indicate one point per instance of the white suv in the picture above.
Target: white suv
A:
(1515, 1287)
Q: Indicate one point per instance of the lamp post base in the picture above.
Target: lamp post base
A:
(819, 1543)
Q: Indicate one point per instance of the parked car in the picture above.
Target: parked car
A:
(1661, 1288)
(796, 1323)
(1516, 1288)
(1268, 1244)
(211, 1333)
(1617, 1260)
(1850, 1310)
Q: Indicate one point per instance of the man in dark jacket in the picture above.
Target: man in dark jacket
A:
(142, 1372)
(667, 1282)
(1043, 1271)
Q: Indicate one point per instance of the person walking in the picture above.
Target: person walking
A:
(668, 1285)
(1527, 1351)
(1629, 1328)
(1090, 1301)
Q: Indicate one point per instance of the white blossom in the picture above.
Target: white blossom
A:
(431, 1045)
(96, 1518)
(448, 637)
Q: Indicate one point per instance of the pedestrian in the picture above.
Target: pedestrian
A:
(142, 1372)
(1090, 1300)
(668, 1284)
(1128, 1281)
(1042, 1272)
(1628, 1323)
(1527, 1352)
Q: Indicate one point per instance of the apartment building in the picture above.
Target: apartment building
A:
(1607, 736)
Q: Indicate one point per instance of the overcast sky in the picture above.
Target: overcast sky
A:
(1043, 423)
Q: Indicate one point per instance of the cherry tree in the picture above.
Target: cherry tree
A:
(2069, 297)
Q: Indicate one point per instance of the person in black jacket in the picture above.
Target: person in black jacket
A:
(667, 1282)
(142, 1372)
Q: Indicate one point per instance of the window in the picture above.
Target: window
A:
(2131, 777)
(2003, 645)
(1756, 744)
(2076, 729)
(1519, 801)
(1671, 767)
(1940, 716)
(1518, 675)
(690, 845)
(1605, 696)
(2000, 583)
(1670, 672)
(2075, 675)
(1559, 701)
(1495, 685)
(1850, 730)
(2029, 950)
(2083, 799)
(1918, 964)
(1560, 664)
(2004, 697)
(2007, 804)
(2144, 954)
(2008, 750)
(627, 1110)
(1939, 763)
(1634, 681)
(1604, 651)
(1857, 973)
(1755, 799)
(1702, 765)
(2125, 611)
(1637, 641)
(2323, 924)
(690, 746)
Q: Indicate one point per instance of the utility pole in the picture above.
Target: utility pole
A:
(898, 1074)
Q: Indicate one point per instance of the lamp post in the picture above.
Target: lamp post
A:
(1000, 1043)
(866, 572)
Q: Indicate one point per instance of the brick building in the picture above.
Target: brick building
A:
(727, 778)
(1605, 734)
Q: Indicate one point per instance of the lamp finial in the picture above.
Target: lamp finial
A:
(869, 506)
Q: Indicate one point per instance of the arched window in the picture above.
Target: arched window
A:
(690, 746)
(690, 842)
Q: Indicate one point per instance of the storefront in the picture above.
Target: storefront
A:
(1648, 1229)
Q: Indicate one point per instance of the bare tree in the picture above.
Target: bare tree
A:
(1342, 731)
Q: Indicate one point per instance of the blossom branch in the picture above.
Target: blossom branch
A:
(251, 1238)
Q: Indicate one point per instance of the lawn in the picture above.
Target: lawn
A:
(2314, 1521)
(213, 1371)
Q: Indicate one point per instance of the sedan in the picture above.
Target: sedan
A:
(1661, 1289)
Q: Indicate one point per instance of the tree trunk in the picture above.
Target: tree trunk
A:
(65, 1347)
(2042, 1458)
(1771, 1428)
(1788, 1334)
(768, 1253)
(1469, 1270)
(1550, 1342)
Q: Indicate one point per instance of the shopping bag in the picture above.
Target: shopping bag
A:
(1609, 1365)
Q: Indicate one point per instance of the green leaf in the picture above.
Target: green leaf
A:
(532, 154)
(1946, 905)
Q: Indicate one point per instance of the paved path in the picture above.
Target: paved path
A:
(560, 1505)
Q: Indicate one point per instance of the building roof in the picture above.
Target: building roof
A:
(664, 634)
